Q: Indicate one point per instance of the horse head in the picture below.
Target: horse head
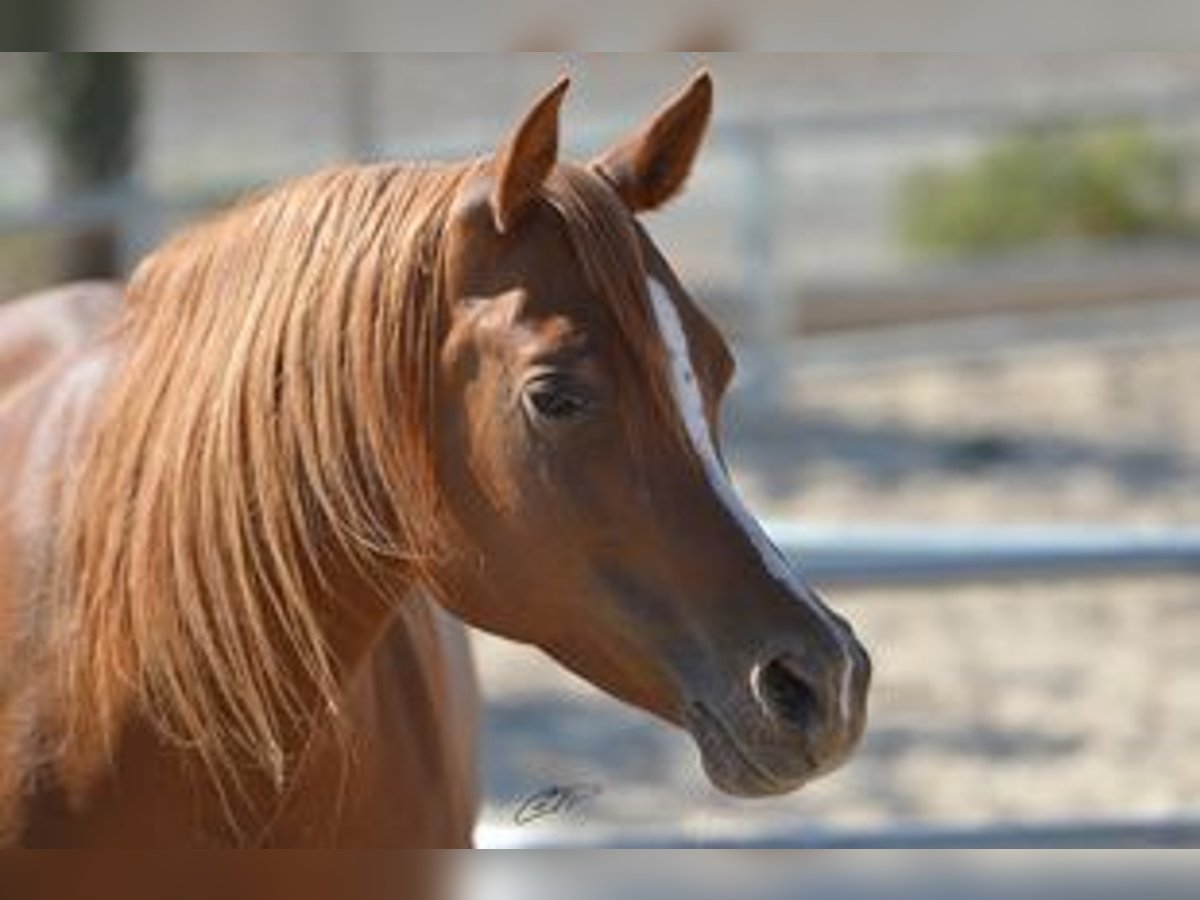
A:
(580, 388)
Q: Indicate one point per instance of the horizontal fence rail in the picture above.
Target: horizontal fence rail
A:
(1165, 833)
(869, 555)
(1129, 330)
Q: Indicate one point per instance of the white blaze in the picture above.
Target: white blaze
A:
(690, 400)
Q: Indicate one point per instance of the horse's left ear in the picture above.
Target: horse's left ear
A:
(527, 158)
(650, 166)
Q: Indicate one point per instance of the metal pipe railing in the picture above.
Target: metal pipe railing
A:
(882, 555)
(1068, 834)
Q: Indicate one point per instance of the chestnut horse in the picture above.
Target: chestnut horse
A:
(327, 417)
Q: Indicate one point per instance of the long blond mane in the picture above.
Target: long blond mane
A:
(270, 417)
(270, 425)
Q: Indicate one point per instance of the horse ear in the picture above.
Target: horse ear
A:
(649, 167)
(525, 161)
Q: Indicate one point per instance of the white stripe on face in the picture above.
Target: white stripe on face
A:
(690, 400)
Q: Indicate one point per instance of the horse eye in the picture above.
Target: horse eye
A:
(553, 400)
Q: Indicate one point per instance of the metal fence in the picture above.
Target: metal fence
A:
(760, 151)
(921, 554)
(1166, 833)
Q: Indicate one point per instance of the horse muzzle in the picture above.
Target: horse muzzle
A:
(783, 728)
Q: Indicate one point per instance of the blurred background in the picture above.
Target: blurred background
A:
(965, 292)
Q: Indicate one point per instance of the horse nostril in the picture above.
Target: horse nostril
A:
(786, 695)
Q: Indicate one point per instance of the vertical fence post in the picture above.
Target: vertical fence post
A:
(139, 218)
(762, 280)
(357, 78)
(89, 104)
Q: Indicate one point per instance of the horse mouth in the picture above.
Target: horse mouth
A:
(732, 768)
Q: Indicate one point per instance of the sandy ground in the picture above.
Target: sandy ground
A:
(1016, 701)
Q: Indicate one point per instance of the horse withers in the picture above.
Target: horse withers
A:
(356, 400)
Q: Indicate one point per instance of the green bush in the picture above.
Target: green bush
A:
(1050, 185)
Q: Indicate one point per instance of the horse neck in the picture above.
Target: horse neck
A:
(354, 608)
(356, 612)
